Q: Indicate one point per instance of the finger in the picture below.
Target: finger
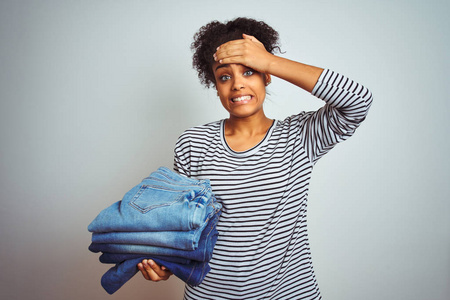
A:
(166, 270)
(246, 40)
(232, 50)
(233, 60)
(249, 37)
(253, 40)
(148, 271)
(143, 271)
(162, 273)
(149, 267)
(229, 53)
(231, 44)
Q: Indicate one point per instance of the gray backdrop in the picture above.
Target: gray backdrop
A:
(95, 93)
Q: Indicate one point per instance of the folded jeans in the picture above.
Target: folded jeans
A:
(164, 201)
(168, 218)
(117, 276)
(190, 271)
(203, 252)
(184, 240)
(117, 258)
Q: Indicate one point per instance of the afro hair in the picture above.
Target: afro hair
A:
(215, 33)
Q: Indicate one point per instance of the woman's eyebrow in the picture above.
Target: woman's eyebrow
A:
(222, 66)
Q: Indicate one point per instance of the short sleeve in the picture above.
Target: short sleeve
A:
(182, 161)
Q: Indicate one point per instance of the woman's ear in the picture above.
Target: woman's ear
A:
(267, 79)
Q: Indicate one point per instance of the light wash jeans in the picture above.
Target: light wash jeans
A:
(164, 201)
(184, 240)
(203, 252)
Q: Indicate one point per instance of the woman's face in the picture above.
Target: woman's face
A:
(241, 90)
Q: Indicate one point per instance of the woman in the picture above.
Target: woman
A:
(259, 167)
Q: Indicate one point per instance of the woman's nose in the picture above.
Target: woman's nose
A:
(238, 83)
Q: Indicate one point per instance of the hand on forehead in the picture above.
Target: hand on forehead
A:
(247, 51)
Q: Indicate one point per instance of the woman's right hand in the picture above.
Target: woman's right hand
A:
(152, 271)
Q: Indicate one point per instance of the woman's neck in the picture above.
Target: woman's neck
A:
(242, 134)
(250, 126)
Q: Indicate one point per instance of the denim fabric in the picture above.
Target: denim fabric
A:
(168, 218)
(164, 201)
(203, 252)
(168, 175)
(184, 240)
(117, 258)
(118, 275)
(192, 273)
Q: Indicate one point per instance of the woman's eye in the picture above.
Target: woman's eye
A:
(249, 73)
(224, 77)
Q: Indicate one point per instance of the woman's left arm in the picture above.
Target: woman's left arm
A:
(347, 102)
(336, 90)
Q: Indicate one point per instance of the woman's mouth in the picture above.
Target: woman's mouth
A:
(241, 98)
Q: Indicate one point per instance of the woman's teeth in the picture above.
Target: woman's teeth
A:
(239, 99)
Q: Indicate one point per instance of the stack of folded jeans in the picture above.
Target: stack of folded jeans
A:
(168, 218)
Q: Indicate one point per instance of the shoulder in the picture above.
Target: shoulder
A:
(200, 132)
(294, 121)
(202, 129)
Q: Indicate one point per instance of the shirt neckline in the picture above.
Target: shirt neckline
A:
(250, 151)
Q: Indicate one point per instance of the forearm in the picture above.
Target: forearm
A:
(352, 99)
(302, 75)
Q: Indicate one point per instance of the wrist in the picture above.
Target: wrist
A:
(273, 64)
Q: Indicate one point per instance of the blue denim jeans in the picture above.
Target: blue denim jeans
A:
(190, 271)
(164, 201)
(202, 253)
(117, 276)
(168, 218)
(117, 258)
(184, 240)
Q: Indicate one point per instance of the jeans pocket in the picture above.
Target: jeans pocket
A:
(150, 197)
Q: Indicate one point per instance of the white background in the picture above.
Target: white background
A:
(95, 93)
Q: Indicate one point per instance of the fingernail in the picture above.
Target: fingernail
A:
(150, 262)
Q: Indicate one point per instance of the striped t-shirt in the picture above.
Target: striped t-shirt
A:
(262, 251)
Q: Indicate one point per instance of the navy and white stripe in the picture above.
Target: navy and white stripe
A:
(263, 250)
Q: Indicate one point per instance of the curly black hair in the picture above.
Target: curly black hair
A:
(215, 33)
